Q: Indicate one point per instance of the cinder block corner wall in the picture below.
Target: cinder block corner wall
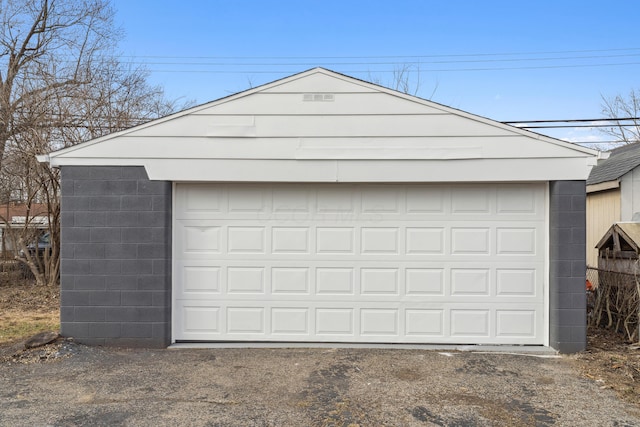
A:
(567, 266)
(115, 257)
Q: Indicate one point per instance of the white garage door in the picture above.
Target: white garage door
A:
(360, 263)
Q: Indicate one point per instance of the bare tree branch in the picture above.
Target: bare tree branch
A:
(626, 132)
(61, 83)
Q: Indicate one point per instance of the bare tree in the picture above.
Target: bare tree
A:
(61, 83)
(405, 78)
(619, 107)
(40, 188)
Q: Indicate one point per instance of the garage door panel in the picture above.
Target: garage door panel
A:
(200, 320)
(380, 322)
(472, 200)
(424, 323)
(518, 282)
(335, 281)
(380, 199)
(247, 199)
(372, 279)
(433, 201)
(467, 323)
(291, 320)
(243, 240)
(379, 240)
(290, 240)
(283, 239)
(428, 282)
(246, 320)
(245, 280)
(379, 281)
(426, 200)
(516, 241)
(330, 201)
(518, 200)
(334, 321)
(516, 323)
(201, 239)
(201, 279)
(336, 240)
(415, 323)
(470, 240)
(199, 200)
(424, 240)
(292, 199)
(360, 263)
(290, 280)
(470, 281)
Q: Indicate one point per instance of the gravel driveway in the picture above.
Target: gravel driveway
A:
(302, 387)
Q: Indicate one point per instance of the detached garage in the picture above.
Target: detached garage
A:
(324, 209)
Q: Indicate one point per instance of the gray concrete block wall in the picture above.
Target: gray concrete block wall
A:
(567, 266)
(116, 256)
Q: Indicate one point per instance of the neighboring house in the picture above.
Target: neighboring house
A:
(18, 216)
(613, 195)
(322, 208)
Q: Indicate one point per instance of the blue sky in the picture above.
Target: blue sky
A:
(506, 60)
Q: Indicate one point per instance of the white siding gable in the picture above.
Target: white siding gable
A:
(320, 126)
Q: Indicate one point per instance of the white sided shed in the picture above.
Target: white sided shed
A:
(322, 208)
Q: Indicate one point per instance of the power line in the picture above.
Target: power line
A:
(538, 67)
(572, 126)
(311, 64)
(614, 119)
(581, 123)
(387, 56)
(220, 63)
(595, 142)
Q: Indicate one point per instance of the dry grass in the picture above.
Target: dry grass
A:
(17, 325)
(26, 309)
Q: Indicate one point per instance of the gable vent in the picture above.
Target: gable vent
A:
(318, 97)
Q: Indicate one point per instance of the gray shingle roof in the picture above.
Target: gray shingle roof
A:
(621, 161)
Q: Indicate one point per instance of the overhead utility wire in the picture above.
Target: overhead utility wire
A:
(221, 63)
(395, 71)
(573, 126)
(616, 119)
(385, 56)
(463, 61)
(606, 145)
(581, 123)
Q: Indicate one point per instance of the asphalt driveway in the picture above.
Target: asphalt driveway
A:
(301, 387)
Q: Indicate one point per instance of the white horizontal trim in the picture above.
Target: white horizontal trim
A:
(394, 170)
(482, 170)
(389, 152)
(335, 148)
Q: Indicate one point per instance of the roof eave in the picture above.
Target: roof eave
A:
(603, 186)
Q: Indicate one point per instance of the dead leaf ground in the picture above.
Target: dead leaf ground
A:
(612, 363)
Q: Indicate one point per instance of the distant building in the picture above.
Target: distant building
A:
(613, 195)
(20, 215)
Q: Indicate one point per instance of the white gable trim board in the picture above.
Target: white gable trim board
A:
(321, 208)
